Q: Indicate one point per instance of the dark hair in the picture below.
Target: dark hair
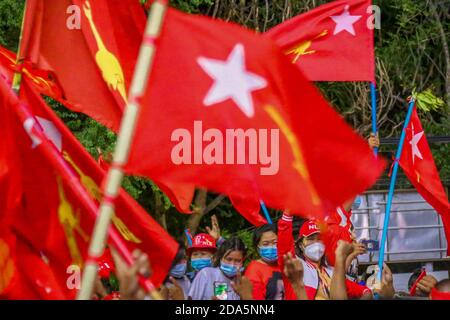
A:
(181, 254)
(232, 244)
(257, 234)
(443, 285)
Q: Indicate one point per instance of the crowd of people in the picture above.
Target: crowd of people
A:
(307, 264)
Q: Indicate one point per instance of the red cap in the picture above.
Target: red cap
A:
(202, 241)
(308, 228)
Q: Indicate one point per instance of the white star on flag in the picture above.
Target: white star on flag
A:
(345, 22)
(414, 141)
(49, 129)
(232, 80)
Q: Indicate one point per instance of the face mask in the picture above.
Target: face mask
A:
(315, 251)
(230, 270)
(178, 270)
(268, 254)
(200, 263)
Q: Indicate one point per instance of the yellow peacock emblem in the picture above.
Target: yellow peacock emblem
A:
(299, 163)
(95, 192)
(71, 225)
(6, 265)
(302, 48)
(106, 61)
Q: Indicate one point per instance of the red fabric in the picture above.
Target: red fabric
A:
(419, 167)
(41, 78)
(52, 47)
(331, 237)
(263, 278)
(48, 203)
(314, 159)
(137, 227)
(323, 55)
(338, 227)
(438, 295)
(23, 273)
(355, 290)
(285, 244)
(249, 208)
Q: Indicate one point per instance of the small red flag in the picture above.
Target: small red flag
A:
(244, 122)
(418, 164)
(333, 42)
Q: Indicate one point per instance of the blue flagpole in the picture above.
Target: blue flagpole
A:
(391, 189)
(266, 212)
(373, 92)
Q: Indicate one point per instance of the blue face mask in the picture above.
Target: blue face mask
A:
(229, 270)
(268, 254)
(199, 264)
(178, 270)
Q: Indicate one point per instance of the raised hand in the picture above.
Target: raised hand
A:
(214, 231)
(128, 276)
(176, 291)
(242, 286)
(293, 269)
(386, 288)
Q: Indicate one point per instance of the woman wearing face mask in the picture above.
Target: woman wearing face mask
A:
(318, 281)
(265, 273)
(201, 253)
(219, 282)
(177, 274)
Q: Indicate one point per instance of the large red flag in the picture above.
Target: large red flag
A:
(243, 121)
(48, 216)
(52, 218)
(135, 225)
(333, 42)
(418, 164)
(97, 41)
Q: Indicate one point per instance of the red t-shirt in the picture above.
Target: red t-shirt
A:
(266, 279)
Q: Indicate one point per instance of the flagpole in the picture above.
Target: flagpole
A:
(266, 212)
(115, 174)
(50, 152)
(17, 77)
(373, 93)
(391, 189)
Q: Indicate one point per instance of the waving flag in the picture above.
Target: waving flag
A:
(333, 42)
(24, 275)
(241, 120)
(418, 164)
(97, 41)
(51, 217)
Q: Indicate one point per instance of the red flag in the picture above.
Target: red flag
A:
(54, 219)
(135, 225)
(286, 145)
(42, 80)
(24, 275)
(48, 216)
(104, 48)
(332, 42)
(418, 164)
(249, 208)
(75, 46)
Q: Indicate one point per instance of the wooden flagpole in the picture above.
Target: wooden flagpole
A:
(115, 174)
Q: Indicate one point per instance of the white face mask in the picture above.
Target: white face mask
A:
(315, 251)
